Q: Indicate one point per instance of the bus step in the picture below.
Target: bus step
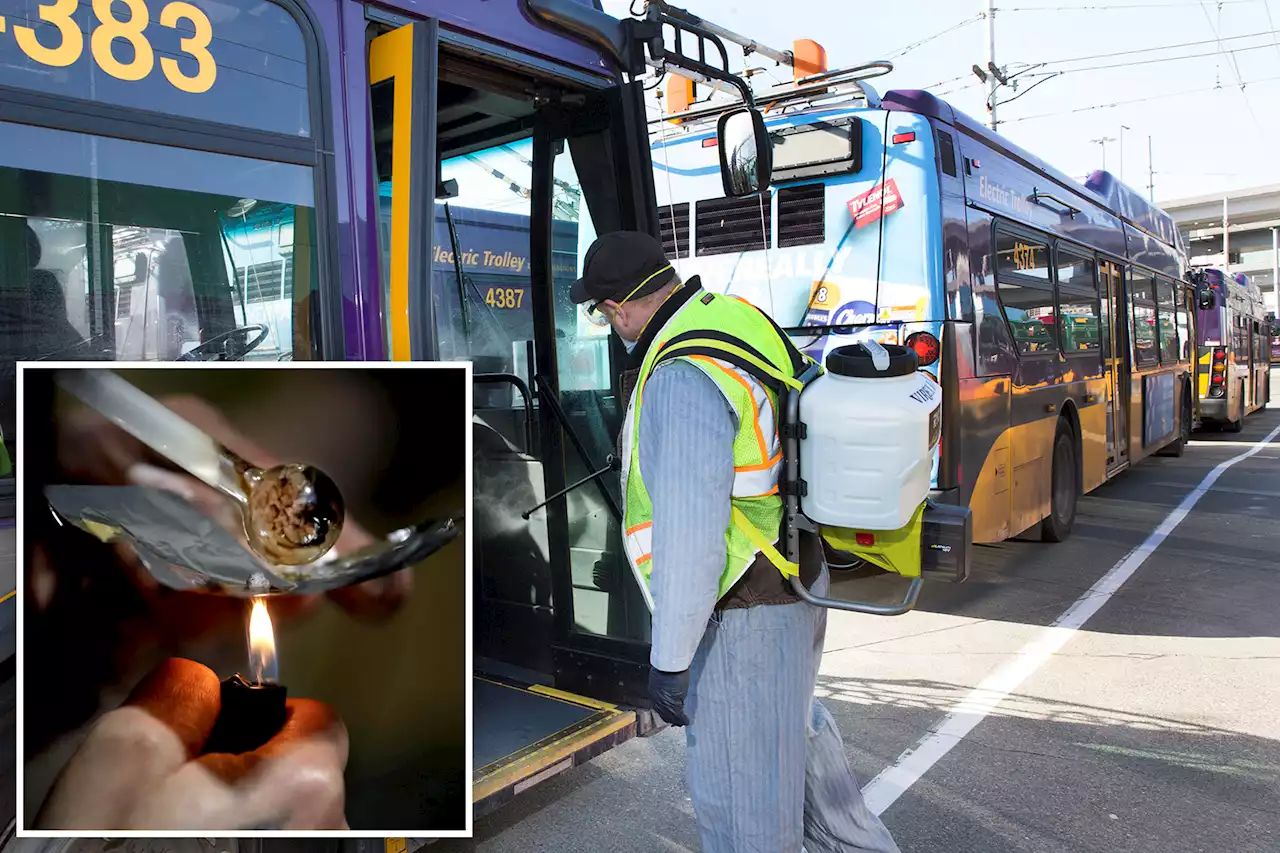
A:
(526, 734)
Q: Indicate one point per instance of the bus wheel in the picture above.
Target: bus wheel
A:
(1065, 489)
(1237, 425)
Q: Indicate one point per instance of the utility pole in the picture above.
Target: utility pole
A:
(1103, 140)
(1123, 128)
(1151, 174)
(1226, 239)
(991, 59)
(1275, 267)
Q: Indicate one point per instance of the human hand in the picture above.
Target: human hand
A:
(140, 767)
(668, 690)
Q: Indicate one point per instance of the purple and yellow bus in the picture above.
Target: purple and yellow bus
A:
(1233, 349)
(1053, 313)
(347, 180)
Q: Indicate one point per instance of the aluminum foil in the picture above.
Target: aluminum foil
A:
(184, 548)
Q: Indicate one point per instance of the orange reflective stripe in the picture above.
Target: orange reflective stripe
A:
(755, 421)
(641, 526)
(646, 558)
(768, 463)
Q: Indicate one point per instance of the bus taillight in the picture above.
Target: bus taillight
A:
(1216, 387)
(926, 347)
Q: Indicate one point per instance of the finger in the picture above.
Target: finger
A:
(306, 721)
(184, 695)
(377, 598)
(215, 424)
(131, 749)
(301, 789)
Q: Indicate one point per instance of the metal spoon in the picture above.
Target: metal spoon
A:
(292, 513)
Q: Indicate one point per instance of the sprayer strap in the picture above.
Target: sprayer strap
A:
(799, 361)
(763, 545)
(734, 355)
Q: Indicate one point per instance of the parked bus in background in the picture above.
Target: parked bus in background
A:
(1052, 313)
(1233, 349)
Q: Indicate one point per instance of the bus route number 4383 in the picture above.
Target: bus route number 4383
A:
(109, 28)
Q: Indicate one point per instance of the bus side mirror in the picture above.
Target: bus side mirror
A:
(746, 153)
(1206, 300)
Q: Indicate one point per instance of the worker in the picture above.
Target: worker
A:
(735, 652)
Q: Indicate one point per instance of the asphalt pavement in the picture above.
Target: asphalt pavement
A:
(1152, 727)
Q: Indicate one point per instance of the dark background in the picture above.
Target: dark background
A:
(393, 439)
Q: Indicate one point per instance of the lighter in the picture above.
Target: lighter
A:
(252, 711)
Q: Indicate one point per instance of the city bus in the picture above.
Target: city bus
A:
(1054, 314)
(1233, 349)
(316, 180)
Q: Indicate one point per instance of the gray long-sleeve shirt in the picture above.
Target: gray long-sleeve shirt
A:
(686, 459)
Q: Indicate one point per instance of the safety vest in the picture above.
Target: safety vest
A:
(707, 327)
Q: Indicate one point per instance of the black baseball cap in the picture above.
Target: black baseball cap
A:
(621, 265)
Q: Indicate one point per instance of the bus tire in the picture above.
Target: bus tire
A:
(1237, 425)
(1064, 491)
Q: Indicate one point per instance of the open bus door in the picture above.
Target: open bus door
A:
(561, 628)
(1117, 363)
(485, 222)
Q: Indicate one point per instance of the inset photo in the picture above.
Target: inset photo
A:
(244, 599)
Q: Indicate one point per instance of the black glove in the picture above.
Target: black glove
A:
(668, 691)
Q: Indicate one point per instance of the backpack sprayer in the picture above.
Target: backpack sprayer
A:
(857, 444)
(858, 439)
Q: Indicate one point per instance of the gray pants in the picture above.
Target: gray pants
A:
(767, 771)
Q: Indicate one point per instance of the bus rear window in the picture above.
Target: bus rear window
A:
(819, 148)
(235, 62)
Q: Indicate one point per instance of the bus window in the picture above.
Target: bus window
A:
(112, 249)
(1182, 321)
(1168, 330)
(1079, 331)
(1142, 300)
(486, 317)
(607, 600)
(1026, 292)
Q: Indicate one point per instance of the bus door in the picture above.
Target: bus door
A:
(1260, 368)
(1116, 361)
(599, 181)
(556, 679)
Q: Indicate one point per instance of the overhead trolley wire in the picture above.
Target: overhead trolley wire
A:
(1235, 67)
(1113, 6)
(1264, 33)
(951, 29)
(1111, 104)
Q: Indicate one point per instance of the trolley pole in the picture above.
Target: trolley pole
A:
(1151, 174)
(1123, 128)
(1226, 239)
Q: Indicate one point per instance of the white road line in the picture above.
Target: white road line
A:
(892, 782)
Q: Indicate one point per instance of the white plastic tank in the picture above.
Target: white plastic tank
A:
(871, 423)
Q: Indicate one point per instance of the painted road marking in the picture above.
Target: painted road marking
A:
(892, 782)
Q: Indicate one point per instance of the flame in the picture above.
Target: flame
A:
(262, 643)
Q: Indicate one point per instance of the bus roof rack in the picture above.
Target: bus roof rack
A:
(848, 82)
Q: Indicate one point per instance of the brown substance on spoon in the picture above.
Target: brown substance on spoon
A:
(295, 513)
